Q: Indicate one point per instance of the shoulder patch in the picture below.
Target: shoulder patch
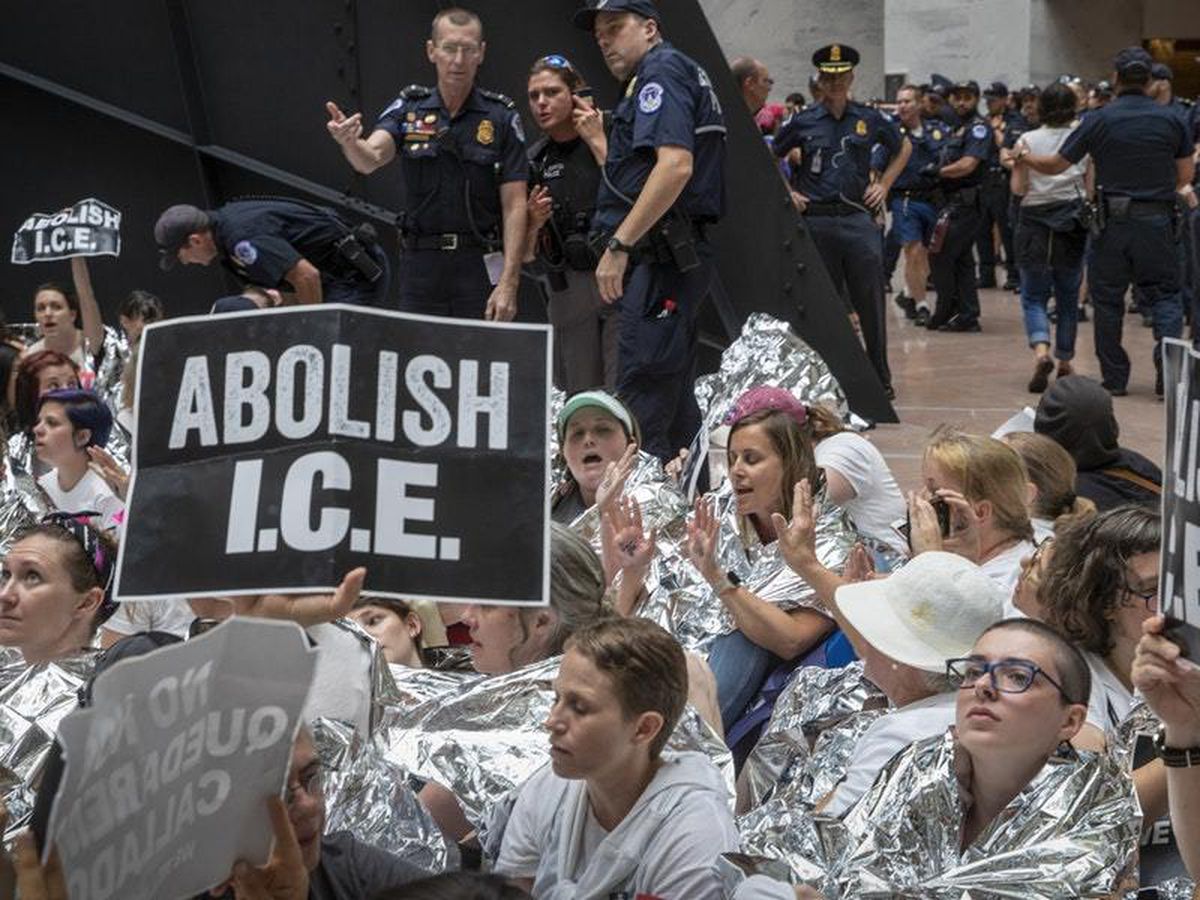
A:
(415, 92)
(503, 99)
(650, 97)
(979, 130)
(395, 106)
(517, 127)
(245, 253)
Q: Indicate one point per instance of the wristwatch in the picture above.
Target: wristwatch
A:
(616, 245)
(728, 582)
(1175, 757)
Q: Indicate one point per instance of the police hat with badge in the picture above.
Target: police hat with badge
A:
(970, 86)
(586, 18)
(995, 90)
(835, 59)
(173, 228)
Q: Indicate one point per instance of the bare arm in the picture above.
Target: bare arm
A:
(1185, 171)
(89, 309)
(502, 304)
(896, 166)
(1046, 163)
(786, 634)
(305, 278)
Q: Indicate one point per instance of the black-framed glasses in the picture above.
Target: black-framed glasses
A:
(311, 781)
(1148, 596)
(1008, 676)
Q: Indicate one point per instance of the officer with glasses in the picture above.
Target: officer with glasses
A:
(462, 158)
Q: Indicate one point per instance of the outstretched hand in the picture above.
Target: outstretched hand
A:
(305, 610)
(701, 546)
(798, 538)
(612, 485)
(632, 547)
(342, 128)
(104, 465)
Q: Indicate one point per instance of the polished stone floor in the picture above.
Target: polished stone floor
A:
(977, 381)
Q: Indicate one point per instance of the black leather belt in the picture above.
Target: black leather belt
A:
(449, 241)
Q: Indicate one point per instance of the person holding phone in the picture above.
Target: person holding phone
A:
(565, 178)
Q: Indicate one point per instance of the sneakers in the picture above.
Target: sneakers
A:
(921, 319)
(906, 303)
(1041, 375)
(958, 323)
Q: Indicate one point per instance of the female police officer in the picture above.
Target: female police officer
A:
(565, 168)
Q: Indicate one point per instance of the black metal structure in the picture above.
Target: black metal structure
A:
(144, 103)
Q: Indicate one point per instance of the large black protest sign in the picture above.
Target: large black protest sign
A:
(167, 772)
(89, 228)
(1179, 582)
(278, 450)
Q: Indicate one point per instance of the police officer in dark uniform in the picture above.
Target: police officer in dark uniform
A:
(832, 181)
(564, 180)
(663, 184)
(961, 172)
(462, 158)
(1143, 157)
(995, 193)
(301, 248)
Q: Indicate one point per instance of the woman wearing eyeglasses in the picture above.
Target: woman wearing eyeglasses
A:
(565, 175)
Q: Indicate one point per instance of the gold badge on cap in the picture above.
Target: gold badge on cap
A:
(861, 128)
(486, 133)
(835, 53)
(937, 134)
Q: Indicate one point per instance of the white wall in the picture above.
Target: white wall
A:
(784, 34)
(987, 40)
(1081, 37)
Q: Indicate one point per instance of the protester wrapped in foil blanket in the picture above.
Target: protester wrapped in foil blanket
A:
(22, 504)
(1072, 832)
(813, 702)
(371, 797)
(485, 738)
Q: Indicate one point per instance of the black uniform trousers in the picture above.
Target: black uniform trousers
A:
(451, 283)
(1141, 249)
(356, 289)
(953, 267)
(994, 210)
(852, 250)
(656, 355)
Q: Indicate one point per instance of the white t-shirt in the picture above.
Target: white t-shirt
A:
(877, 501)
(665, 847)
(1068, 184)
(886, 737)
(91, 493)
(1005, 568)
(1110, 702)
(172, 616)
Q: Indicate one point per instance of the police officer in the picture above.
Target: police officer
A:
(1143, 156)
(663, 184)
(303, 249)
(995, 194)
(961, 172)
(831, 184)
(462, 158)
(914, 199)
(565, 179)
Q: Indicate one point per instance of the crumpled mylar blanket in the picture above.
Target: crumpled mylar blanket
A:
(33, 700)
(811, 704)
(485, 737)
(370, 797)
(22, 503)
(1072, 832)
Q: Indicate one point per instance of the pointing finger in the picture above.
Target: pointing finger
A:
(334, 113)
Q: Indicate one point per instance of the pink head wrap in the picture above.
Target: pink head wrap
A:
(762, 398)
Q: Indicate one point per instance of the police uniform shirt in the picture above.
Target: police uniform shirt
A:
(261, 240)
(484, 145)
(972, 138)
(669, 102)
(572, 175)
(1134, 143)
(835, 154)
(926, 149)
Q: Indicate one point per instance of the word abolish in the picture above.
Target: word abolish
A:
(89, 228)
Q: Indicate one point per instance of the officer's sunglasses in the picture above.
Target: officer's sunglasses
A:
(556, 61)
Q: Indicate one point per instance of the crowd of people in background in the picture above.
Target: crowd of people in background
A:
(1005, 610)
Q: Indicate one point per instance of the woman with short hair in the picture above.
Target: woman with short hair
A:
(69, 422)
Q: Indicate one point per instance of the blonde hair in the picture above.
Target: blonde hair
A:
(1052, 471)
(986, 469)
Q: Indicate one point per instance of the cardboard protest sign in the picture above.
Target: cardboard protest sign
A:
(167, 772)
(1179, 576)
(89, 228)
(277, 450)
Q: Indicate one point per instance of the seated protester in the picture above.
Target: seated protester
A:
(906, 626)
(769, 451)
(55, 589)
(167, 616)
(1170, 685)
(395, 625)
(994, 805)
(69, 422)
(596, 431)
(984, 484)
(38, 374)
(611, 815)
(1052, 474)
(1026, 597)
(1077, 412)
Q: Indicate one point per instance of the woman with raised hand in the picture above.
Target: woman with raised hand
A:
(599, 439)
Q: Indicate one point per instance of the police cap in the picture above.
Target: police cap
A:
(1133, 61)
(586, 18)
(996, 90)
(1161, 72)
(172, 229)
(835, 58)
(965, 87)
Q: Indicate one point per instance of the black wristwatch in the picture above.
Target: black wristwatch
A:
(1175, 757)
(616, 245)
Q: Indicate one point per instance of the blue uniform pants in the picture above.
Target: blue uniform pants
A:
(656, 353)
(451, 283)
(852, 251)
(953, 268)
(1139, 249)
(359, 290)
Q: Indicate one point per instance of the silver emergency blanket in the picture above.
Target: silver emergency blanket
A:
(22, 503)
(371, 797)
(485, 737)
(658, 497)
(1072, 832)
(811, 704)
(33, 700)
